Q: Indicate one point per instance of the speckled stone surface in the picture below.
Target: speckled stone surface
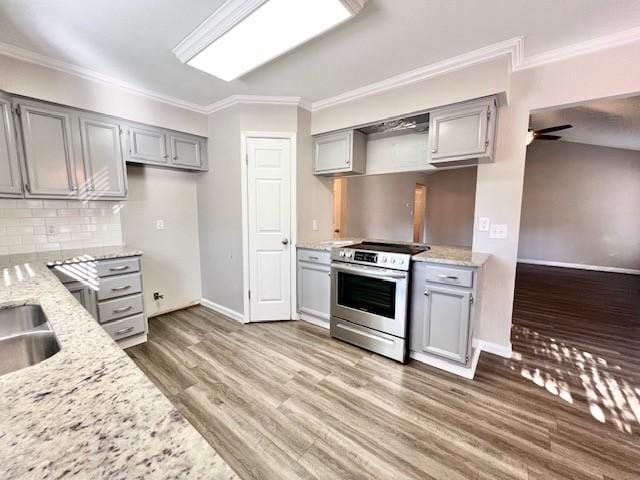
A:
(88, 412)
(452, 256)
(327, 245)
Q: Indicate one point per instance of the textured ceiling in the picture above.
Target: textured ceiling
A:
(132, 40)
(609, 122)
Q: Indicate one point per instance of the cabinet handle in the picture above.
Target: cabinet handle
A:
(120, 289)
(314, 258)
(448, 277)
(122, 309)
(124, 330)
(165, 156)
(119, 269)
(427, 293)
(175, 157)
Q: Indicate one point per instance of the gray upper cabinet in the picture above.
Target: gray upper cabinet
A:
(339, 153)
(463, 133)
(48, 150)
(186, 151)
(104, 167)
(10, 179)
(147, 145)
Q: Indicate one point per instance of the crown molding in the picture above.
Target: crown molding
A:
(512, 47)
(257, 100)
(217, 24)
(28, 56)
(580, 48)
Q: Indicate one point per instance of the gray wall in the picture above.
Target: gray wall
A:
(381, 206)
(581, 205)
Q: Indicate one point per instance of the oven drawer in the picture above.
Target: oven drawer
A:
(119, 286)
(314, 256)
(461, 277)
(126, 327)
(106, 268)
(120, 307)
(382, 343)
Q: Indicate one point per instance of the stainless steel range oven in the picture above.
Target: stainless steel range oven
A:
(370, 296)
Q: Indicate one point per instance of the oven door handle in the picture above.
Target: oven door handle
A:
(392, 277)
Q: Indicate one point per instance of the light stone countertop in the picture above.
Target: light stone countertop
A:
(448, 255)
(444, 254)
(88, 412)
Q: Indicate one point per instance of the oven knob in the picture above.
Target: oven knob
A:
(342, 254)
(393, 260)
(383, 259)
(349, 254)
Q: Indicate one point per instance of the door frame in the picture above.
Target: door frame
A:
(244, 136)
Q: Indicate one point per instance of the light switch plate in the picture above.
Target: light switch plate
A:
(498, 231)
(159, 224)
(483, 224)
(314, 225)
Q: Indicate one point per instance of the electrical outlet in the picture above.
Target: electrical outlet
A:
(483, 224)
(52, 229)
(498, 231)
(159, 224)
(314, 225)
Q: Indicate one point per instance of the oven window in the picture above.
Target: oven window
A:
(367, 294)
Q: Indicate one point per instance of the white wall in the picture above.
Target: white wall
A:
(171, 260)
(581, 205)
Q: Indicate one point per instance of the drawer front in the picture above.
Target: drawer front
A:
(119, 286)
(119, 266)
(461, 277)
(314, 256)
(125, 327)
(118, 308)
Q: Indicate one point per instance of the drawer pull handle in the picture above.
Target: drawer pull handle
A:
(122, 309)
(120, 289)
(119, 269)
(448, 277)
(124, 330)
(314, 258)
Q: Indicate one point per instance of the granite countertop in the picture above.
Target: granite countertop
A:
(88, 411)
(448, 255)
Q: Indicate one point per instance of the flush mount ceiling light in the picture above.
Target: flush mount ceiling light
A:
(245, 34)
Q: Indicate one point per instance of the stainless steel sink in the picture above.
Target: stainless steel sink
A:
(26, 338)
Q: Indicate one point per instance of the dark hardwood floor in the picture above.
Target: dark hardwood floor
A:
(285, 401)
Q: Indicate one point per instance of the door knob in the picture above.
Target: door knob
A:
(285, 241)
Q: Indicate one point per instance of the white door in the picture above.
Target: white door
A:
(269, 214)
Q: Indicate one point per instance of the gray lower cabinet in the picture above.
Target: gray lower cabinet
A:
(50, 167)
(112, 292)
(10, 178)
(442, 311)
(314, 286)
(102, 155)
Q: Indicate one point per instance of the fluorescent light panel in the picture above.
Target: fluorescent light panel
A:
(273, 29)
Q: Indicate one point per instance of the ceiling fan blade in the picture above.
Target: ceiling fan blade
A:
(547, 137)
(554, 129)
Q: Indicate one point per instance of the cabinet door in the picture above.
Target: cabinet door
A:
(459, 132)
(333, 152)
(314, 289)
(85, 297)
(48, 152)
(147, 145)
(10, 179)
(103, 159)
(185, 151)
(446, 322)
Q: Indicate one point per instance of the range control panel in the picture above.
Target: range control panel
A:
(395, 261)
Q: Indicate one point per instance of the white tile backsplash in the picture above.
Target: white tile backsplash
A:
(24, 225)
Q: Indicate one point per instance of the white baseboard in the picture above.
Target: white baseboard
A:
(174, 309)
(318, 322)
(580, 266)
(442, 364)
(493, 348)
(227, 312)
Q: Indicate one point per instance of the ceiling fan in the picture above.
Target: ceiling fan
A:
(543, 133)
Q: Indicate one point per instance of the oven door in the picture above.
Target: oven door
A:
(370, 296)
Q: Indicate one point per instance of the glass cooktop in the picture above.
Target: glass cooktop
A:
(407, 249)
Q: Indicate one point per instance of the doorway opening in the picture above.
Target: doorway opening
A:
(419, 212)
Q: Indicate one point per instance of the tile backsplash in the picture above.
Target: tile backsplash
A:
(28, 226)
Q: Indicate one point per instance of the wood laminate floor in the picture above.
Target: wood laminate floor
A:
(285, 401)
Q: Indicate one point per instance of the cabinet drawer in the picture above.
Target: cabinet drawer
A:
(118, 308)
(106, 268)
(126, 327)
(119, 286)
(314, 256)
(449, 275)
